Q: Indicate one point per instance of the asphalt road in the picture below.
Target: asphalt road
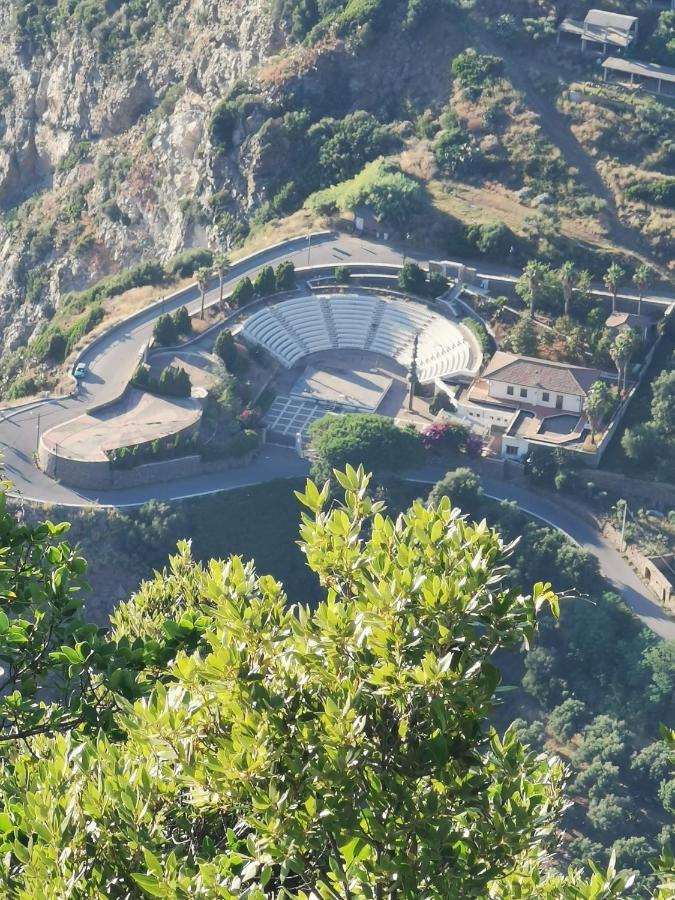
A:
(112, 360)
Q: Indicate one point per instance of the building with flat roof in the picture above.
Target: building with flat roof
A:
(607, 29)
(648, 76)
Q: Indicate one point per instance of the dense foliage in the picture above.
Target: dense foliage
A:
(252, 749)
(374, 440)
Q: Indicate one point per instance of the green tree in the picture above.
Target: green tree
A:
(462, 486)
(285, 276)
(354, 439)
(598, 406)
(642, 279)
(174, 381)
(642, 443)
(141, 377)
(653, 763)
(608, 814)
(524, 338)
(598, 779)
(182, 321)
(606, 739)
(342, 274)
(226, 349)
(612, 279)
(243, 293)
(203, 276)
(412, 279)
(624, 348)
(663, 402)
(350, 727)
(567, 719)
(530, 283)
(568, 280)
(265, 282)
(438, 284)
(164, 331)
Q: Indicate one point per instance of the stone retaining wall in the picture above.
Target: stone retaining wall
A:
(646, 569)
(99, 475)
(656, 494)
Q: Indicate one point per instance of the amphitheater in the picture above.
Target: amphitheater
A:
(301, 326)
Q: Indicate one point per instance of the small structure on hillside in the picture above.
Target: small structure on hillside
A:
(366, 221)
(650, 77)
(600, 27)
(621, 321)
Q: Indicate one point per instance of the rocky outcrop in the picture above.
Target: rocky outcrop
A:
(105, 162)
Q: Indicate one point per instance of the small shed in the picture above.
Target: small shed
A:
(650, 76)
(601, 27)
(366, 221)
(621, 321)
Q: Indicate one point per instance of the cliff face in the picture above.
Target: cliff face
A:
(105, 159)
(109, 155)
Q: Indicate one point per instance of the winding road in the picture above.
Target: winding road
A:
(112, 358)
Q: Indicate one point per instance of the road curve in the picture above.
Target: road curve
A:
(111, 361)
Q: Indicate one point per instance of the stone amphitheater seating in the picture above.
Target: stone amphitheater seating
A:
(295, 328)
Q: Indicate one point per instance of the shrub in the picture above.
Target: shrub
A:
(413, 279)
(141, 377)
(484, 339)
(524, 338)
(226, 349)
(437, 285)
(182, 321)
(265, 282)
(366, 439)
(243, 442)
(243, 293)
(185, 264)
(660, 192)
(285, 276)
(474, 71)
(164, 332)
(342, 275)
(174, 382)
(444, 437)
(462, 486)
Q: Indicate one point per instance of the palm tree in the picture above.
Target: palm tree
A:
(613, 278)
(598, 405)
(534, 276)
(568, 280)
(221, 265)
(622, 351)
(642, 279)
(203, 276)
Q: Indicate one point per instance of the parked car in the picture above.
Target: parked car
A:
(80, 371)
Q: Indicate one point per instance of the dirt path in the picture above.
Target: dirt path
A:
(557, 130)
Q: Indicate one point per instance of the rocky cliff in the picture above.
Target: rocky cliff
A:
(105, 156)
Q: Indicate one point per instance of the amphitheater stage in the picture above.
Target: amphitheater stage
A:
(361, 390)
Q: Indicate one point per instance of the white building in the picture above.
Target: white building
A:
(520, 401)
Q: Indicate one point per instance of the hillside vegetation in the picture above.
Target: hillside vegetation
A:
(429, 110)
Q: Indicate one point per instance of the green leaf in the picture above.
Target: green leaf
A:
(4, 622)
(6, 824)
(150, 884)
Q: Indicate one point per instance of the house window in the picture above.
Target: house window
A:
(558, 401)
(509, 391)
(511, 450)
(523, 392)
(545, 397)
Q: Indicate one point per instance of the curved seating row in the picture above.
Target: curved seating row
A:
(295, 328)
